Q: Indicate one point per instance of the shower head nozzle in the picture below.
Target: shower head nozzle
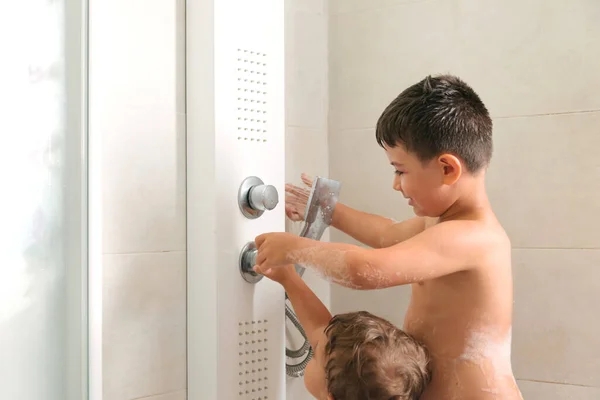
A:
(319, 209)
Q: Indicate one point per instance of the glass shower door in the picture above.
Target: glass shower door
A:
(43, 206)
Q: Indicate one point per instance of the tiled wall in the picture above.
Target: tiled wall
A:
(306, 117)
(537, 77)
(140, 112)
(536, 65)
(138, 106)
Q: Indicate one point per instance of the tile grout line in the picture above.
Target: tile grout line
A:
(159, 394)
(550, 114)
(310, 128)
(369, 128)
(143, 252)
(556, 248)
(375, 9)
(557, 383)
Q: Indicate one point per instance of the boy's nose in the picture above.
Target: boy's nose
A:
(396, 184)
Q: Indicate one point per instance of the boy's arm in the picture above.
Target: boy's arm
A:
(373, 230)
(311, 312)
(441, 250)
(370, 229)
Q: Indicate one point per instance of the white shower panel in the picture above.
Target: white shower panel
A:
(240, 325)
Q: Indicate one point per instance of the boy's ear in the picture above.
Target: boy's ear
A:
(451, 167)
(330, 397)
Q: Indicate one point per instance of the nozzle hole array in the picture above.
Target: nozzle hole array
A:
(252, 95)
(253, 357)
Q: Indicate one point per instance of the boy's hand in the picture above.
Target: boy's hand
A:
(296, 199)
(274, 249)
(280, 275)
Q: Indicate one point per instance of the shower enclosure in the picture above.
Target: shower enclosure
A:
(43, 213)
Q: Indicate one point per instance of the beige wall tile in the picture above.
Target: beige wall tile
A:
(305, 151)
(556, 334)
(554, 391)
(354, 6)
(376, 54)
(307, 6)
(390, 303)
(366, 175)
(306, 69)
(136, 108)
(180, 56)
(541, 59)
(543, 181)
(139, 63)
(509, 58)
(144, 324)
(144, 181)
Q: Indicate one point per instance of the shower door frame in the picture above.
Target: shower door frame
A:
(83, 199)
(77, 201)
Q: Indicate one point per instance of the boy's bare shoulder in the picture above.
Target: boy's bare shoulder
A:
(476, 235)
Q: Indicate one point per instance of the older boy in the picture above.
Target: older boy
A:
(437, 135)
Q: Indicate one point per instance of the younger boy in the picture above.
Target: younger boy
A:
(437, 135)
(357, 356)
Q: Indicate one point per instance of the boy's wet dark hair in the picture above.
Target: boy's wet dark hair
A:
(439, 115)
(368, 358)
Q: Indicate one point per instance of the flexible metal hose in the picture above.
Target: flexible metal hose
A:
(302, 350)
(297, 370)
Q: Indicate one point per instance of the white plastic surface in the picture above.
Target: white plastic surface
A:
(235, 129)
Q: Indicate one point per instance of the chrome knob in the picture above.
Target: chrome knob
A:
(254, 197)
(263, 197)
(247, 263)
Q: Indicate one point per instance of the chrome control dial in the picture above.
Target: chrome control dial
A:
(247, 263)
(254, 197)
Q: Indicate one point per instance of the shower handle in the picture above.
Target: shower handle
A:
(263, 197)
(254, 197)
(247, 263)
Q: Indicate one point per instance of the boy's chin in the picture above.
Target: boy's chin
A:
(418, 212)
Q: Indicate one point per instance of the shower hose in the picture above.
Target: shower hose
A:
(306, 351)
